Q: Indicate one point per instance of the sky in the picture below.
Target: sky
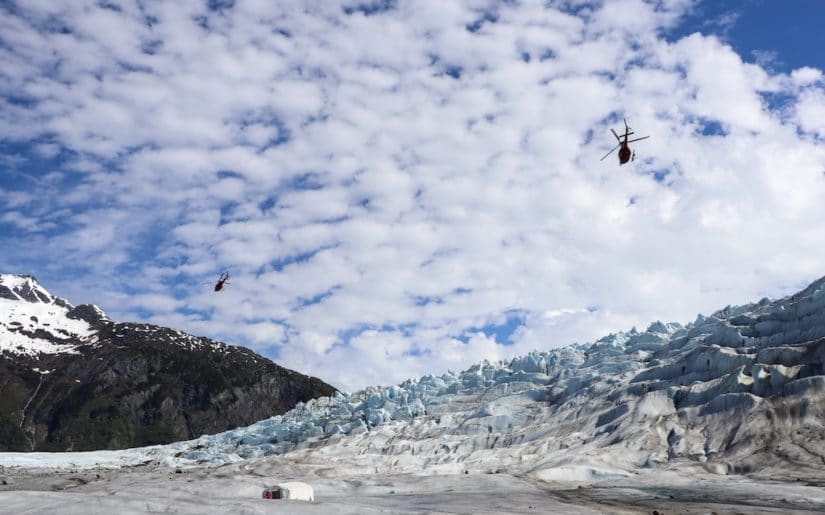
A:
(404, 187)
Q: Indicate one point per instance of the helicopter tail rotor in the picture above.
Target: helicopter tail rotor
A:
(627, 130)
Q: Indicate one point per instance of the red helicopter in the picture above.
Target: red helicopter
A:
(221, 281)
(625, 154)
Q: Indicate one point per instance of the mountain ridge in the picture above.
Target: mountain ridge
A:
(75, 380)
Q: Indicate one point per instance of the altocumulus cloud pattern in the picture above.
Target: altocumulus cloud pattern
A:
(400, 187)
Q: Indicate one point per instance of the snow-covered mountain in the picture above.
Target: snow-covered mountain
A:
(740, 390)
(33, 321)
(72, 379)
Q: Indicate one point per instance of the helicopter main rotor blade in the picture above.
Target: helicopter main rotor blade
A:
(638, 139)
(611, 151)
(617, 136)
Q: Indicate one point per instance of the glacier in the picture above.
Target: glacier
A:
(718, 390)
(738, 393)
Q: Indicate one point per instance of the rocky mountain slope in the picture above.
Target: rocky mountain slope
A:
(72, 379)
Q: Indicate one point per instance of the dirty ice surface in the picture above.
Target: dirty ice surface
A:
(724, 414)
(237, 488)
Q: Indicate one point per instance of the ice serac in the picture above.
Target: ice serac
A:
(73, 379)
(739, 390)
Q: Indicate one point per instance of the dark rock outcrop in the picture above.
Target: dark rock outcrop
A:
(88, 313)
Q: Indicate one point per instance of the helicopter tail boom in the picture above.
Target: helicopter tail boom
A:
(611, 151)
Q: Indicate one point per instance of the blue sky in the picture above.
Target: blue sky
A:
(782, 35)
(405, 187)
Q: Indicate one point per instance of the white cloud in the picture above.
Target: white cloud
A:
(810, 112)
(806, 75)
(382, 187)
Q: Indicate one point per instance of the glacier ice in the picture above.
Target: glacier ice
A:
(714, 389)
